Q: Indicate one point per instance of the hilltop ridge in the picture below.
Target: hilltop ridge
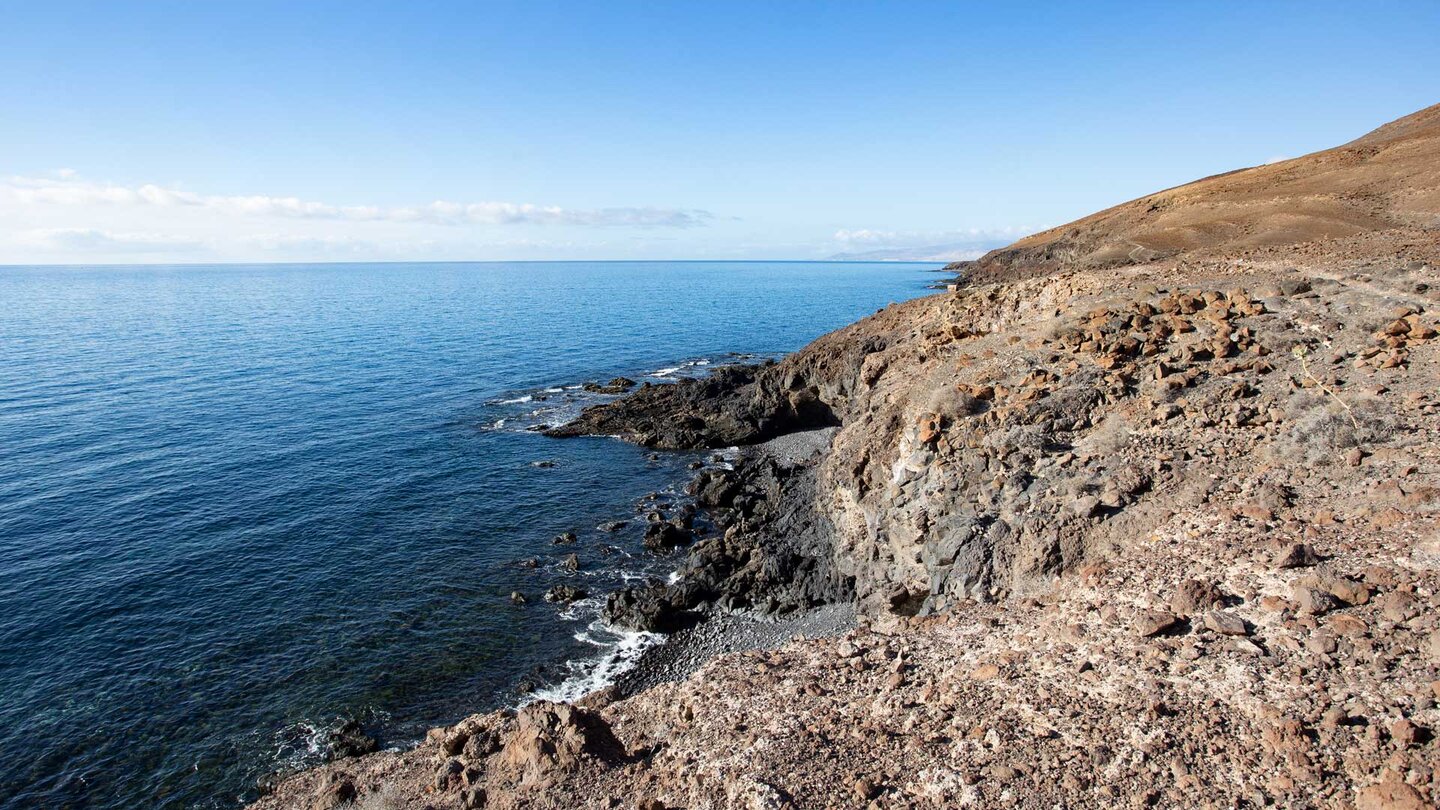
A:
(1385, 181)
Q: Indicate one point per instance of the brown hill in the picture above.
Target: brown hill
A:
(1388, 180)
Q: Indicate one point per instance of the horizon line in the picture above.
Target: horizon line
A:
(4, 266)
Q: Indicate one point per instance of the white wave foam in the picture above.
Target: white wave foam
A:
(516, 401)
(623, 651)
(307, 742)
(672, 371)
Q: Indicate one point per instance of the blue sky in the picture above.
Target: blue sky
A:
(250, 131)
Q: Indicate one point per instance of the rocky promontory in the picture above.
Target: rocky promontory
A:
(1145, 528)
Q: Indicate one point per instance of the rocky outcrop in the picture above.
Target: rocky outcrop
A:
(773, 550)
(740, 404)
(618, 385)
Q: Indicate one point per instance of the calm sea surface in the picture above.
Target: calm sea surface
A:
(241, 504)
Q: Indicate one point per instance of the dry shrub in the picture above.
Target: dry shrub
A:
(386, 798)
(1108, 437)
(949, 401)
(1320, 430)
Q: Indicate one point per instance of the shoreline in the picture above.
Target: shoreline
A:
(717, 630)
(682, 653)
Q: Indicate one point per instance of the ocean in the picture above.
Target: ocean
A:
(240, 505)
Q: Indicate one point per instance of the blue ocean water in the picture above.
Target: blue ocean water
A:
(239, 504)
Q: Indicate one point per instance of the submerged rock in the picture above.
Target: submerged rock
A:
(618, 385)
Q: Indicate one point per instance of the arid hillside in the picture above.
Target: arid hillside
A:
(1389, 180)
(1119, 530)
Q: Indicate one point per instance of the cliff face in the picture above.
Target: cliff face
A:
(1140, 530)
(983, 442)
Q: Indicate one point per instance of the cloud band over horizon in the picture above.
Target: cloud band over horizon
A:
(67, 190)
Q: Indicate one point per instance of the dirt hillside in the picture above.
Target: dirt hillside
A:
(1386, 181)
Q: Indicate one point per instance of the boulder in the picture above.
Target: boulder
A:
(1194, 596)
(653, 608)
(1226, 624)
(447, 776)
(1297, 555)
(550, 740)
(665, 535)
(617, 385)
(714, 488)
(1399, 606)
(1152, 623)
(1312, 601)
(1393, 795)
(565, 594)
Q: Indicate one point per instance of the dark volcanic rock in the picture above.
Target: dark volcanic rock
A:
(665, 535)
(714, 488)
(775, 554)
(655, 608)
(565, 594)
(350, 740)
(734, 405)
(618, 385)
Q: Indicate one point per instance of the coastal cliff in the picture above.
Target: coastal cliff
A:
(1146, 511)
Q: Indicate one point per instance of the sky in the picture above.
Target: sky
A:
(193, 132)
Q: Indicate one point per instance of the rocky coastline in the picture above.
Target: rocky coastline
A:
(1095, 527)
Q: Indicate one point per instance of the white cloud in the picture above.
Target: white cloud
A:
(869, 244)
(93, 239)
(868, 236)
(66, 189)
